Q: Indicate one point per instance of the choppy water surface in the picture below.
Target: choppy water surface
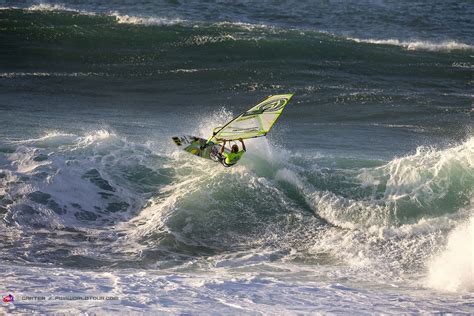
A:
(360, 199)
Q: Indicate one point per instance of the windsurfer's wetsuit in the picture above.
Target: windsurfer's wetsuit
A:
(230, 159)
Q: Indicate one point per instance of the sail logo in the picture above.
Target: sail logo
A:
(8, 299)
(272, 106)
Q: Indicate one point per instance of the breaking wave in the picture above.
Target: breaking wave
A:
(418, 45)
(167, 208)
(233, 29)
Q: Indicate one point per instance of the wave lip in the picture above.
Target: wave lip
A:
(144, 20)
(262, 28)
(432, 183)
(48, 74)
(418, 44)
(119, 17)
(46, 7)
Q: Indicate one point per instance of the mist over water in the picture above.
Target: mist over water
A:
(362, 192)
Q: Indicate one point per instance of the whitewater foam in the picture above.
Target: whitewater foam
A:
(199, 40)
(51, 138)
(94, 137)
(47, 7)
(189, 214)
(144, 20)
(429, 182)
(266, 289)
(49, 74)
(65, 178)
(453, 268)
(417, 45)
(119, 17)
(245, 26)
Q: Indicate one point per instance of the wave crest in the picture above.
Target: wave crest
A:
(142, 20)
(418, 45)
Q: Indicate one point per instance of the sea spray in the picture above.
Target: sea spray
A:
(453, 268)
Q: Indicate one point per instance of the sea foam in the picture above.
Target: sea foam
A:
(453, 269)
(418, 44)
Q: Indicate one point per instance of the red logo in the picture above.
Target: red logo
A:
(8, 299)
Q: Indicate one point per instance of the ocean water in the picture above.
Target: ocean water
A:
(360, 200)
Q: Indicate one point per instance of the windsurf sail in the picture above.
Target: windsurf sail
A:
(254, 122)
